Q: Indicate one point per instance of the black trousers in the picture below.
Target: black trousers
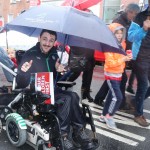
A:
(132, 75)
(69, 113)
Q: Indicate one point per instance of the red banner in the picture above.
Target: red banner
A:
(43, 81)
(35, 2)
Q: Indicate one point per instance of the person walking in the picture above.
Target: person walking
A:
(139, 34)
(113, 69)
(83, 62)
(125, 18)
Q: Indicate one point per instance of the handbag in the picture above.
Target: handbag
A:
(77, 63)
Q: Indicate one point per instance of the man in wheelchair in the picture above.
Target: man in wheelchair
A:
(43, 58)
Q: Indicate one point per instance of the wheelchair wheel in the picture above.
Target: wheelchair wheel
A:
(16, 135)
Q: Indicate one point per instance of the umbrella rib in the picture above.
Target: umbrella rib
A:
(32, 32)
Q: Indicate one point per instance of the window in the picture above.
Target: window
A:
(111, 8)
(10, 17)
(12, 1)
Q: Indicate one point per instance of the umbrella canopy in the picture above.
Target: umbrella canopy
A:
(16, 40)
(80, 4)
(74, 27)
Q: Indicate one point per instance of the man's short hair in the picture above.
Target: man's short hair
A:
(132, 7)
(50, 32)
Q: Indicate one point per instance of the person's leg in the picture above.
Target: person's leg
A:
(63, 111)
(115, 95)
(77, 121)
(86, 82)
(123, 88)
(112, 103)
(131, 79)
(130, 82)
(148, 91)
(142, 86)
(102, 93)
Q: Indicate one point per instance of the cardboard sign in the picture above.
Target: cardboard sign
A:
(43, 81)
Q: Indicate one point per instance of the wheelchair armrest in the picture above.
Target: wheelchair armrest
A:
(17, 91)
(45, 108)
(66, 84)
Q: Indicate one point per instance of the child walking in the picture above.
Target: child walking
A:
(113, 69)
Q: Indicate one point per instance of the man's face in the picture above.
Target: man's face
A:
(131, 15)
(46, 42)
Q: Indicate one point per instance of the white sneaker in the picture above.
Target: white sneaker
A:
(110, 123)
(101, 118)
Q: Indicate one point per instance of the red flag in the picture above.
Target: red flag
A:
(80, 4)
(35, 2)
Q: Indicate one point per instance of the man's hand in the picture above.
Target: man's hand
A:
(146, 25)
(59, 67)
(26, 66)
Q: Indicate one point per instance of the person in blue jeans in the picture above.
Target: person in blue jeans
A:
(139, 34)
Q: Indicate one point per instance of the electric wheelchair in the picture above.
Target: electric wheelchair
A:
(41, 131)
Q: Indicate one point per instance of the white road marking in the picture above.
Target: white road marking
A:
(120, 131)
(120, 117)
(114, 136)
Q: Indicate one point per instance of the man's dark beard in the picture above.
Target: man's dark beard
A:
(42, 49)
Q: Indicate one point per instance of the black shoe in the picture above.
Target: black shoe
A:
(81, 139)
(129, 90)
(68, 144)
(100, 102)
(86, 95)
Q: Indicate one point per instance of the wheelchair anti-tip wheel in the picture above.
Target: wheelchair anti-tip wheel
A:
(4, 112)
(15, 134)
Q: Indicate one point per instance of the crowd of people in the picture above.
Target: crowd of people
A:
(131, 29)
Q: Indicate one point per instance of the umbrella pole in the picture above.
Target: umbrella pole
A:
(6, 40)
(62, 50)
(63, 47)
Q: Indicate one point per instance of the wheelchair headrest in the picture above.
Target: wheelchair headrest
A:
(19, 55)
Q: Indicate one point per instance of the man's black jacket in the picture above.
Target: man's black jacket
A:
(41, 63)
(144, 52)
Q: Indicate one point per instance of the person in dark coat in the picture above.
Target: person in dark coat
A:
(139, 34)
(43, 58)
(125, 19)
(87, 69)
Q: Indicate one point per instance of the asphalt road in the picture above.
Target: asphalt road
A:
(128, 136)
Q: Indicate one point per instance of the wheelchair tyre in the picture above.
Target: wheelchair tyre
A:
(16, 135)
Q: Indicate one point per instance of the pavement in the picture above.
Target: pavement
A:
(128, 136)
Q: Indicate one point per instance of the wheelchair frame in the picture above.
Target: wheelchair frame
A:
(36, 131)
